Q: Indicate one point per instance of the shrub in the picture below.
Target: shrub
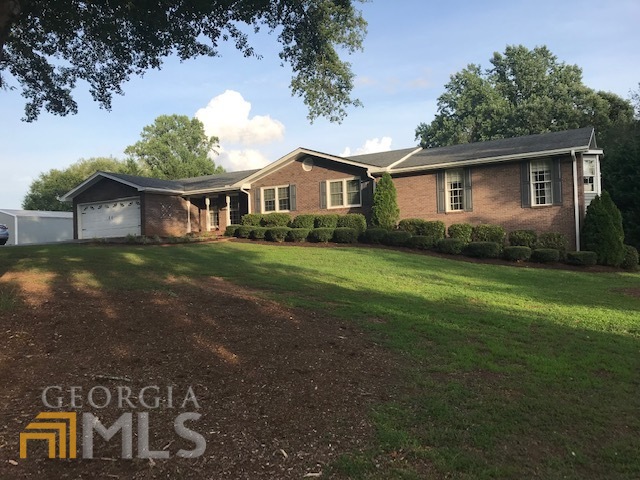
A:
(523, 238)
(545, 255)
(320, 235)
(297, 234)
(243, 231)
(417, 226)
(421, 242)
(253, 219)
(276, 234)
(258, 233)
(374, 235)
(326, 221)
(303, 221)
(453, 246)
(602, 232)
(357, 221)
(411, 225)
(275, 220)
(584, 258)
(345, 235)
(384, 210)
(630, 260)
(230, 231)
(516, 253)
(396, 238)
(488, 233)
(461, 231)
(482, 250)
(554, 240)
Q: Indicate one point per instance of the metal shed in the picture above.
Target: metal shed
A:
(35, 226)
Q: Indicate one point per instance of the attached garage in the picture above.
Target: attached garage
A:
(115, 218)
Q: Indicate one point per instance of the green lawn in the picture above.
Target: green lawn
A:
(511, 372)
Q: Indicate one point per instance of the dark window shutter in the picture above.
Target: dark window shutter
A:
(468, 195)
(323, 194)
(440, 192)
(292, 198)
(257, 203)
(556, 181)
(525, 184)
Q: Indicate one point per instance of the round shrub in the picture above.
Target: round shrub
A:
(411, 225)
(552, 240)
(396, 238)
(243, 231)
(421, 242)
(374, 235)
(345, 235)
(523, 238)
(461, 231)
(297, 234)
(320, 235)
(357, 221)
(276, 234)
(303, 221)
(253, 219)
(326, 221)
(452, 246)
(488, 233)
(630, 260)
(275, 220)
(545, 255)
(230, 231)
(516, 253)
(482, 250)
(257, 233)
(584, 258)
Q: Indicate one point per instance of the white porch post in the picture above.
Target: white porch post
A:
(207, 202)
(188, 214)
(228, 210)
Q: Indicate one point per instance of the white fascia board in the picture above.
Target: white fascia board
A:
(9, 213)
(202, 191)
(162, 191)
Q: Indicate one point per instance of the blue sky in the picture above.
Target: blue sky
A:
(411, 49)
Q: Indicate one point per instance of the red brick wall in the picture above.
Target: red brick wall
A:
(496, 199)
(166, 215)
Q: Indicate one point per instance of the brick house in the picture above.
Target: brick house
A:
(541, 182)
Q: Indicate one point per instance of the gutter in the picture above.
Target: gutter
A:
(576, 206)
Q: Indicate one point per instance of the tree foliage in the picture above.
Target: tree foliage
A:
(602, 232)
(44, 191)
(524, 92)
(384, 211)
(47, 46)
(173, 147)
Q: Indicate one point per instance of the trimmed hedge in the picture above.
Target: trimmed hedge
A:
(243, 231)
(410, 225)
(554, 240)
(230, 231)
(630, 260)
(421, 242)
(482, 250)
(374, 235)
(297, 234)
(275, 220)
(253, 219)
(417, 226)
(452, 246)
(320, 235)
(345, 235)
(396, 238)
(584, 258)
(303, 221)
(357, 221)
(523, 238)
(516, 253)
(486, 232)
(461, 231)
(276, 234)
(326, 221)
(258, 233)
(545, 255)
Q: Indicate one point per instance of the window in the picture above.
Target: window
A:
(589, 174)
(541, 187)
(344, 193)
(214, 218)
(276, 199)
(455, 190)
(234, 209)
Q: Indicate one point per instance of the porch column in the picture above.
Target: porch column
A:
(207, 202)
(228, 210)
(188, 214)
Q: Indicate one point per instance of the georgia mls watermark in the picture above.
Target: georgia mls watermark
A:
(60, 428)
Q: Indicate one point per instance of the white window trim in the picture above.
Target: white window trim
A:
(532, 186)
(447, 190)
(344, 193)
(597, 183)
(277, 199)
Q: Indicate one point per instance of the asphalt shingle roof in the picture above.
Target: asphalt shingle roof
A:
(382, 159)
(147, 182)
(185, 184)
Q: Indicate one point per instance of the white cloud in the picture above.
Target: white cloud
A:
(373, 145)
(244, 159)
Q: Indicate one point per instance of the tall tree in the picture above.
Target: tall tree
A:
(524, 92)
(47, 46)
(44, 191)
(175, 146)
(384, 211)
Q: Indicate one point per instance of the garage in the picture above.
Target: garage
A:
(114, 218)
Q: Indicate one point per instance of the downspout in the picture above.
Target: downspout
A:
(373, 180)
(243, 190)
(576, 206)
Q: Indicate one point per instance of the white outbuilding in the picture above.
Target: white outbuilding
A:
(35, 226)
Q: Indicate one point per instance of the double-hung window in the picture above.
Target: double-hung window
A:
(276, 199)
(455, 190)
(234, 209)
(344, 193)
(541, 186)
(589, 174)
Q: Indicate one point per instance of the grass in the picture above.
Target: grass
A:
(511, 372)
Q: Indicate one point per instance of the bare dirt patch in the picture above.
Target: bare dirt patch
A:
(282, 392)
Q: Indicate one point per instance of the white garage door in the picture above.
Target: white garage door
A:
(116, 218)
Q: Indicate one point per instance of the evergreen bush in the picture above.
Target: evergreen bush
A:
(602, 232)
(385, 211)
